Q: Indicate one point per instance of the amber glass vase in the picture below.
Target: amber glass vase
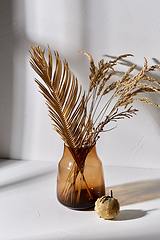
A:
(80, 179)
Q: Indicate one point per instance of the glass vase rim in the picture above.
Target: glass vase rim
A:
(86, 147)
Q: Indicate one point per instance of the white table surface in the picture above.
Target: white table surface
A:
(29, 209)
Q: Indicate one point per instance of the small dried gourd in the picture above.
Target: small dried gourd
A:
(107, 207)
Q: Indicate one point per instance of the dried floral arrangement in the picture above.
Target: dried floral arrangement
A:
(75, 112)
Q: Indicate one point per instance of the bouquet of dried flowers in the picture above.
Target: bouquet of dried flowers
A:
(76, 115)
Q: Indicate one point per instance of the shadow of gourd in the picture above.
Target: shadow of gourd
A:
(131, 214)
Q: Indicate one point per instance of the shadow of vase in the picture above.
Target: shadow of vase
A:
(137, 192)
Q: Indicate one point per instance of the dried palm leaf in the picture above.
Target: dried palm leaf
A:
(65, 102)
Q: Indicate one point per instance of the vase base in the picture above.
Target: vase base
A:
(85, 202)
(91, 206)
(77, 207)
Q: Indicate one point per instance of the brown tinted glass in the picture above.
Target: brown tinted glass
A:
(80, 182)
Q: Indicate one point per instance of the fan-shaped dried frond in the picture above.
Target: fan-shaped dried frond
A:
(65, 102)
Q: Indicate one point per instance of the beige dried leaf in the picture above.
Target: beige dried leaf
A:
(65, 102)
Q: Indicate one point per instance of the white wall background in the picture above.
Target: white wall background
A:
(100, 27)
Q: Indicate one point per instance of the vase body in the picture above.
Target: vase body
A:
(80, 179)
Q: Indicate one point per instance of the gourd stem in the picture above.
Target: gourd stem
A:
(111, 192)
